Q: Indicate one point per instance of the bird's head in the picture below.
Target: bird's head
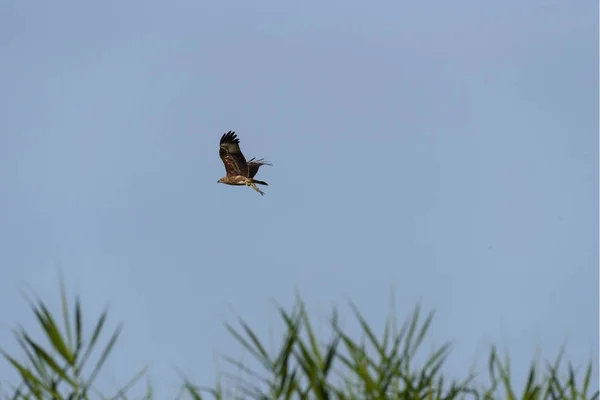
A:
(220, 180)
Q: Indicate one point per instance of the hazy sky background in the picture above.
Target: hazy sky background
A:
(444, 150)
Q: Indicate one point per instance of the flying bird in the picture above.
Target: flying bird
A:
(239, 171)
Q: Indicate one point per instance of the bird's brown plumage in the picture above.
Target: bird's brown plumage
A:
(238, 170)
(254, 165)
(230, 153)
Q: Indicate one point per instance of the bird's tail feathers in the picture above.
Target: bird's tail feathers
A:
(260, 182)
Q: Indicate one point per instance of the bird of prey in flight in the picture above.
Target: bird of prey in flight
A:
(239, 172)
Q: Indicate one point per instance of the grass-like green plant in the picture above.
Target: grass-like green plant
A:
(387, 366)
(58, 370)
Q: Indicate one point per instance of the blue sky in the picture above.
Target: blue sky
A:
(446, 151)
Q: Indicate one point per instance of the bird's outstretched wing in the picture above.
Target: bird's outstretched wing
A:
(254, 165)
(230, 153)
